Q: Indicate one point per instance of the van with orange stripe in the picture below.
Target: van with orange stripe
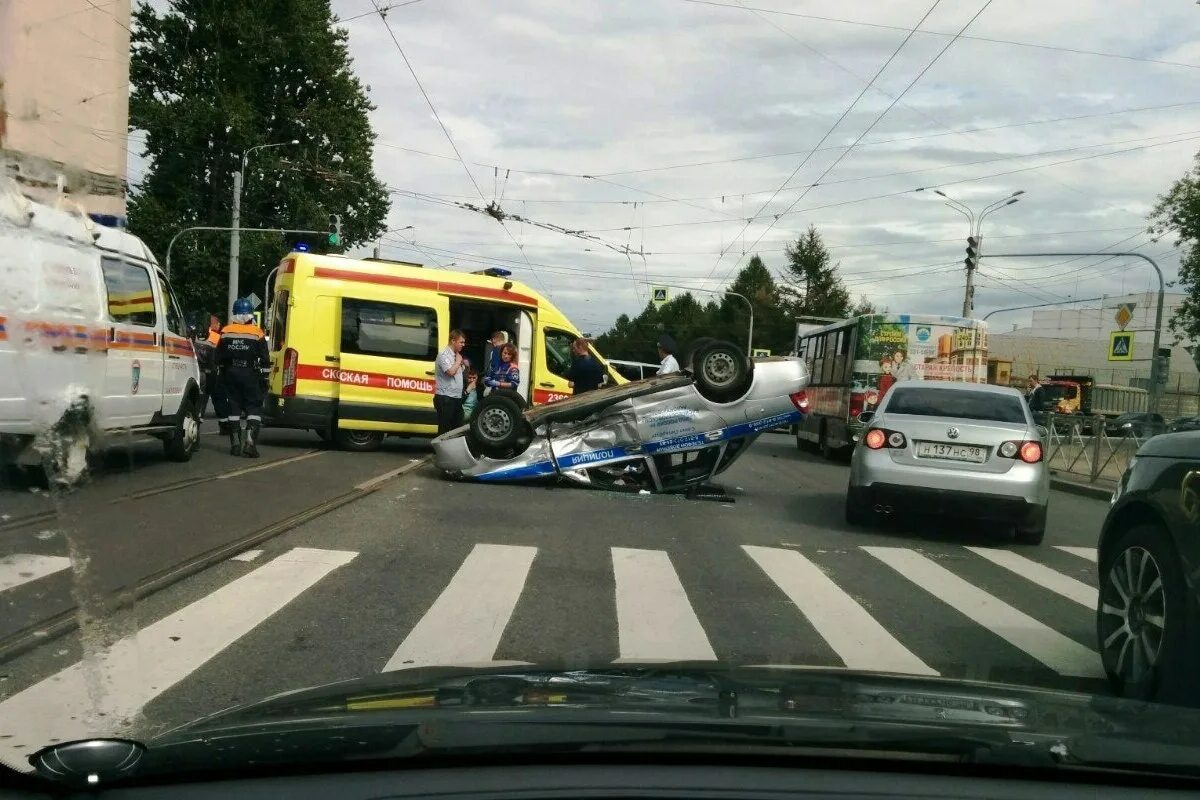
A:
(353, 343)
(92, 340)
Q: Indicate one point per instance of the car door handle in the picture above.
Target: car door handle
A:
(429, 372)
(334, 359)
(545, 385)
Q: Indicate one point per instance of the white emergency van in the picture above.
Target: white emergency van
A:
(92, 341)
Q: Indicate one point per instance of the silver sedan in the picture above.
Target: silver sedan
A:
(959, 449)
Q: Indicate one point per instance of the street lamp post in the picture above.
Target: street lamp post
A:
(974, 239)
(235, 242)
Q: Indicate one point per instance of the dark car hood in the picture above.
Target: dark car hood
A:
(1184, 444)
(451, 712)
(455, 715)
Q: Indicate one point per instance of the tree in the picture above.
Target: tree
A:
(212, 78)
(773, 326)
(865, 306)
(812, 284)
(1178, 211)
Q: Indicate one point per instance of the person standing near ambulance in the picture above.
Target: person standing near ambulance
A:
(243, 359)
(448, 383)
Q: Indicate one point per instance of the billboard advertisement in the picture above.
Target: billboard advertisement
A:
(892, 348)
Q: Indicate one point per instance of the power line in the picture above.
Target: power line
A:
(878, 142)
(827, 134)
(425, 94)
(874, 122)
(932, 186)
(989, 39)
(379, 11)
(450, 139)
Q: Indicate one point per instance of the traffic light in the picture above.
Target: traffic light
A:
(334, 240)
(973, 245)
(1162, 364)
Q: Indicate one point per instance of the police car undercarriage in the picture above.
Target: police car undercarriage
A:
(670, 433)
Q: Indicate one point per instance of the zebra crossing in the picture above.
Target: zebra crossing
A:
(659, 618)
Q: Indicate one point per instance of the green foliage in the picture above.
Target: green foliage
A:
(1179, 211)
(212, 78)
(865, 306)
(811, 283)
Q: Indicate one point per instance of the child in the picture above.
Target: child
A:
(471, 398)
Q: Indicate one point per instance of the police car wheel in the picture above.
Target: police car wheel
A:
(358, 441)
(180, 443)
(721, 371)
(498, 427)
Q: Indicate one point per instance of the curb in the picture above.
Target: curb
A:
(66, 621)
(1084, 489)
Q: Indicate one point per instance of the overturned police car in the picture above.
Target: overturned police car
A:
(662, 434)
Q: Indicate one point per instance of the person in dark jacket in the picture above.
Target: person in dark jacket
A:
(243, 359)
(585, 374)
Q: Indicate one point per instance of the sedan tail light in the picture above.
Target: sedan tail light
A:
(1029, 452)
(800, 401)
(878, 438)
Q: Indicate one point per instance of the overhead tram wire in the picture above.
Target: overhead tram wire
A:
(989, 39)
(449, 138)
(955, 182)
(878, 142)
(826, 135)
(869, 128)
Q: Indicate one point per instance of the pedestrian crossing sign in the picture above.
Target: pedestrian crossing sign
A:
(1120, 346)
(658, 295)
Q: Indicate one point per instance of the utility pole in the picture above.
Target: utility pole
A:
(974, 239)
(235, 241)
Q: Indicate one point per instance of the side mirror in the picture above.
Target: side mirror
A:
(866, 416)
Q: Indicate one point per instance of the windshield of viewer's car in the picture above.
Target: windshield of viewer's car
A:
(431, 357)
(956, 403)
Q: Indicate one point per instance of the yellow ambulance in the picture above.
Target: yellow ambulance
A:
(353, 343)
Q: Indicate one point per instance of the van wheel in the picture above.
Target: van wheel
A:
(498, 428)
(358, 441)
(180, 443)
(721, 371)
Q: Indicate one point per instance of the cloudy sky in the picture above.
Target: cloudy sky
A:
(694, 117)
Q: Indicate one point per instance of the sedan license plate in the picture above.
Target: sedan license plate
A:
(953, 452)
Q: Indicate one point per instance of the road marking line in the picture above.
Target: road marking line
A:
(1058, 652)
(412, 464)
(22, 568)
(270, 464)
(1040, 574)
(655, 621)
(465, 623)
(247, 555)
(1083, 552)
(100, 695)
(858, 639)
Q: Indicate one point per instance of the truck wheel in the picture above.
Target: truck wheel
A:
(498, 427)
(184, 440)
(358, 441)
(721, 371)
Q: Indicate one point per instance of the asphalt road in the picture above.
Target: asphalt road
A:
(424, 571)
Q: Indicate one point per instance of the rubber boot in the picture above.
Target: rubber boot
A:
(250, 449)
(235, 439)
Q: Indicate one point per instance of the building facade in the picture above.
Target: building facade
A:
(64, 100)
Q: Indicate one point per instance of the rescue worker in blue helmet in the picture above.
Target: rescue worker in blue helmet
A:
(243, 360)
